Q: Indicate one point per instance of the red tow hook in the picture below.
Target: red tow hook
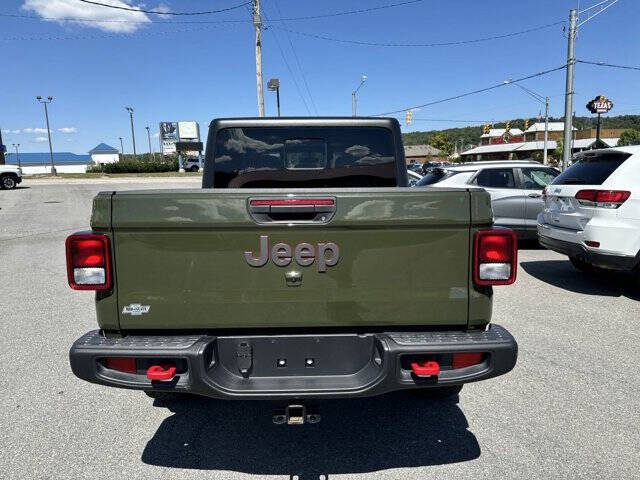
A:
(161, 372)
(425, 369)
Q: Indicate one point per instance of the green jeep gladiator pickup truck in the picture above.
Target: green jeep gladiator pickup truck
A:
(304, 268)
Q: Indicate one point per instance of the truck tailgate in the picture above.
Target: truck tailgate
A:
(180, 260)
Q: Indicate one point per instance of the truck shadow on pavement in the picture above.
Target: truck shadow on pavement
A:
(355, 436)
(561, 274)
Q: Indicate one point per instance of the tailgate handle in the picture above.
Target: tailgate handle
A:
(292, 209)
(535, 195)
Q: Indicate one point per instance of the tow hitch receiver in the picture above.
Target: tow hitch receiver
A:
(425, 369)
(161, 372)
(296, 415)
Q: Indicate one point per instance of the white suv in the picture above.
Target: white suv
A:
(592, 210)
(10, 176)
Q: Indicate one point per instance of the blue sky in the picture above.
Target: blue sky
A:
(185, 71)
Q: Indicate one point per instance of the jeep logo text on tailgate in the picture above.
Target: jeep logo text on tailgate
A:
(325, 254)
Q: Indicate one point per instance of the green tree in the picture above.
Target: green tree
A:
(441, 141)
(629, 137)
(558, 152)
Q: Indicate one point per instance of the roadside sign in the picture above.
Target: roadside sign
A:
(600, 104)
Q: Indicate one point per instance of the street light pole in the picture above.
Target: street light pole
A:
(149, 137)
(544, 100)
(46, 116)
(121, 147)
(16, 145)
(353, 96)
(274, 84)
(133, 135)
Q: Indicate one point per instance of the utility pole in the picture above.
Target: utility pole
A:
(46, 116)
(133, 135)
(257, 23)
(568, 99)
(546, 130)
(121, 147)
(152, 154)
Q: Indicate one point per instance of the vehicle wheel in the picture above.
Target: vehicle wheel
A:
(194, 169)
(8, 182)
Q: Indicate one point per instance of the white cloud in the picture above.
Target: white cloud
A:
(40, 139)
(34, 130)
(102, 18)
(68, 130)
(156, 135)
(11, 131)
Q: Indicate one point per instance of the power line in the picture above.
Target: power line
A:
(473, 92)
(94, 20)
(603, 64)
(295, 55)
(435, 44)
(157, 12)
(295, 82)
(347, 12)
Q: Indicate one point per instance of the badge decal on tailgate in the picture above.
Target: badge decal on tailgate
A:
(135, 309)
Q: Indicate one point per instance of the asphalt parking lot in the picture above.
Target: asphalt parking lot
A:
(568, 410)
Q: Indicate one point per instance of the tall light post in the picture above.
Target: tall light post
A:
(121, 147)
(545, 101)
(274, 84)
(151, 153)
(46, 116)
(16, 145)
(353, 95)
(133, 135)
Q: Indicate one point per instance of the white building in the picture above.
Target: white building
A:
(104, 153)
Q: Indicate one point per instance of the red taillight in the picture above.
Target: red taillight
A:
(603, 198)
(298, 202)
(495, 257)
(121, 364)
(592, 243)
(466, 359)
(88, 261)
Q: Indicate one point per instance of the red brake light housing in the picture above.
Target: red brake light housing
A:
(88, 261)
(495, 257)
(603, 198)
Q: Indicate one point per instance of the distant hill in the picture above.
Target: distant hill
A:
(471, 135)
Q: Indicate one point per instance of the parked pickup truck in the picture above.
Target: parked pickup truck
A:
(304, 268)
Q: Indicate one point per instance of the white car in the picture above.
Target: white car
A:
(515, 187)
(10, 176)
(592, 210)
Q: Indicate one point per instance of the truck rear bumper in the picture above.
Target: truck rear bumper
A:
(293, 366)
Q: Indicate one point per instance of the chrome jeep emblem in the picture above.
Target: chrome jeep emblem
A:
(324, 254)
(135, 309)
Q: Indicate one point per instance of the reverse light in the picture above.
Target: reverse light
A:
(88, 261)
(602, 198)
(495, 257)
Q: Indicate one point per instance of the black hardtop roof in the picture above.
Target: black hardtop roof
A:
(384, 122)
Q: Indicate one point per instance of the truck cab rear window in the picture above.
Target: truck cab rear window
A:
(315, 157)
(592, 168)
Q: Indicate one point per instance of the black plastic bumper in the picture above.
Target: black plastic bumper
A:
(613, 262)
(326, 365)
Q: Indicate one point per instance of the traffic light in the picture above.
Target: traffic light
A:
(508, 126)
(526, 125)
(408, 117)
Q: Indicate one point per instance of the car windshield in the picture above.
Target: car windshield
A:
(592, 168)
